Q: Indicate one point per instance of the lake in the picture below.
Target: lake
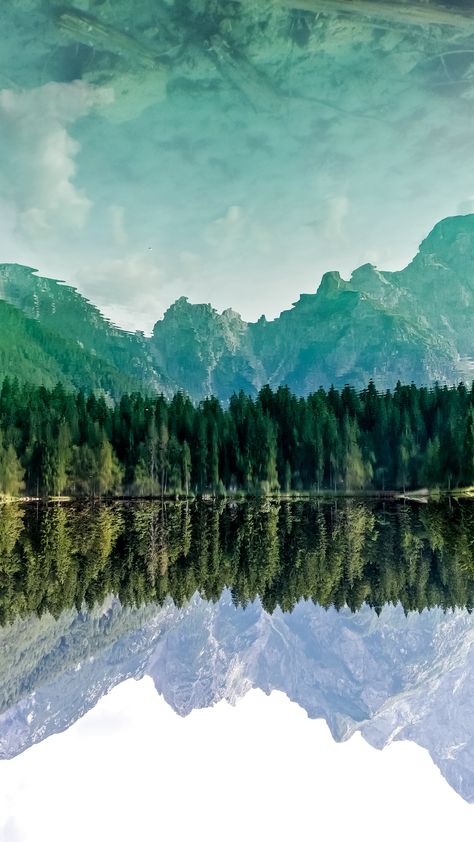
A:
(358, 611)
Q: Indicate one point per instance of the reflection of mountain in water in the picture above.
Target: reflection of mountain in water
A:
(389, 673)
(391, 676)
(208, 599)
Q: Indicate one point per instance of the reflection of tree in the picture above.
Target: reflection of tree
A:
(343, 553)
(11, 527)
(256, 556)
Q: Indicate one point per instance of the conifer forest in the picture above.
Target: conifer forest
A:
(55, 442)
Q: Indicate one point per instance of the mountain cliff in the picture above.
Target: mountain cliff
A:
(411, 325)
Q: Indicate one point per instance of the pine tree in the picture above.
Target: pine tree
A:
(11, 471)
(431, 474)
(186, 468)
(468, 450)
(108, 472)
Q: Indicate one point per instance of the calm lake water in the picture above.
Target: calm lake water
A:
(359, 611)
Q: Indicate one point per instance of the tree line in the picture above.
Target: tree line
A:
(344, 553)
(55, 442)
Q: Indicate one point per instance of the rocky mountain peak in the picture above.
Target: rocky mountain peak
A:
(414, 324)
(331, 285)
(448, 248)
(452, 234)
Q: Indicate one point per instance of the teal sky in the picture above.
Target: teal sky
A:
(224, 151)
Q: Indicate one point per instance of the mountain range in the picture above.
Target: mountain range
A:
(392, 676)
(413, 325)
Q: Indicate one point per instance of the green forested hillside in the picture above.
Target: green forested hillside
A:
(62, 311)
(38, 356)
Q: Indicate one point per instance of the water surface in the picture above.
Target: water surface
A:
(358, 611)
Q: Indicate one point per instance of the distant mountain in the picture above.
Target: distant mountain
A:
(412, 325)
(391, 676)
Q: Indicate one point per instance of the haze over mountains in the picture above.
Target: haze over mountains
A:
(411, 325)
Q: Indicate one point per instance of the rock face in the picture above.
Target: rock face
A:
(205, 352)
(389, 676)
(412, 325)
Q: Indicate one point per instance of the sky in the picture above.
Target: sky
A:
(131, 768)
(227, 190)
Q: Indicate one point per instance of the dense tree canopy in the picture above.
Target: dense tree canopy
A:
(53, 441)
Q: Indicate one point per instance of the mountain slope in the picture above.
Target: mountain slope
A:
(206, 352)
(343, 335)
(412, 325)
(36, 355)
(60, 309)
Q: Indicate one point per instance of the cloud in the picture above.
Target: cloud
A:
(10, 831)
(39, 155)
(466, 206)
(224, 231)
(330, 220)
(129, 289)
(117, 224)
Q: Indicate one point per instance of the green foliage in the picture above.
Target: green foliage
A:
(11, 471)
(78, 344)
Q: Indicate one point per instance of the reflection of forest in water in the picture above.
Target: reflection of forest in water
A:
(335, 554)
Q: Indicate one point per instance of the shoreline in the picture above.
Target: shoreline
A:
(423, 495)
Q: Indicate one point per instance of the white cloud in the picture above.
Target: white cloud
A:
(330, 220)
(10, 831)
(39, 155)
(117, 224)
(466, 206)
(129, 289)
(252, 232)
(226, 229)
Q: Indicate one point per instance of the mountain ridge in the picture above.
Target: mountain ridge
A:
(413, 325)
